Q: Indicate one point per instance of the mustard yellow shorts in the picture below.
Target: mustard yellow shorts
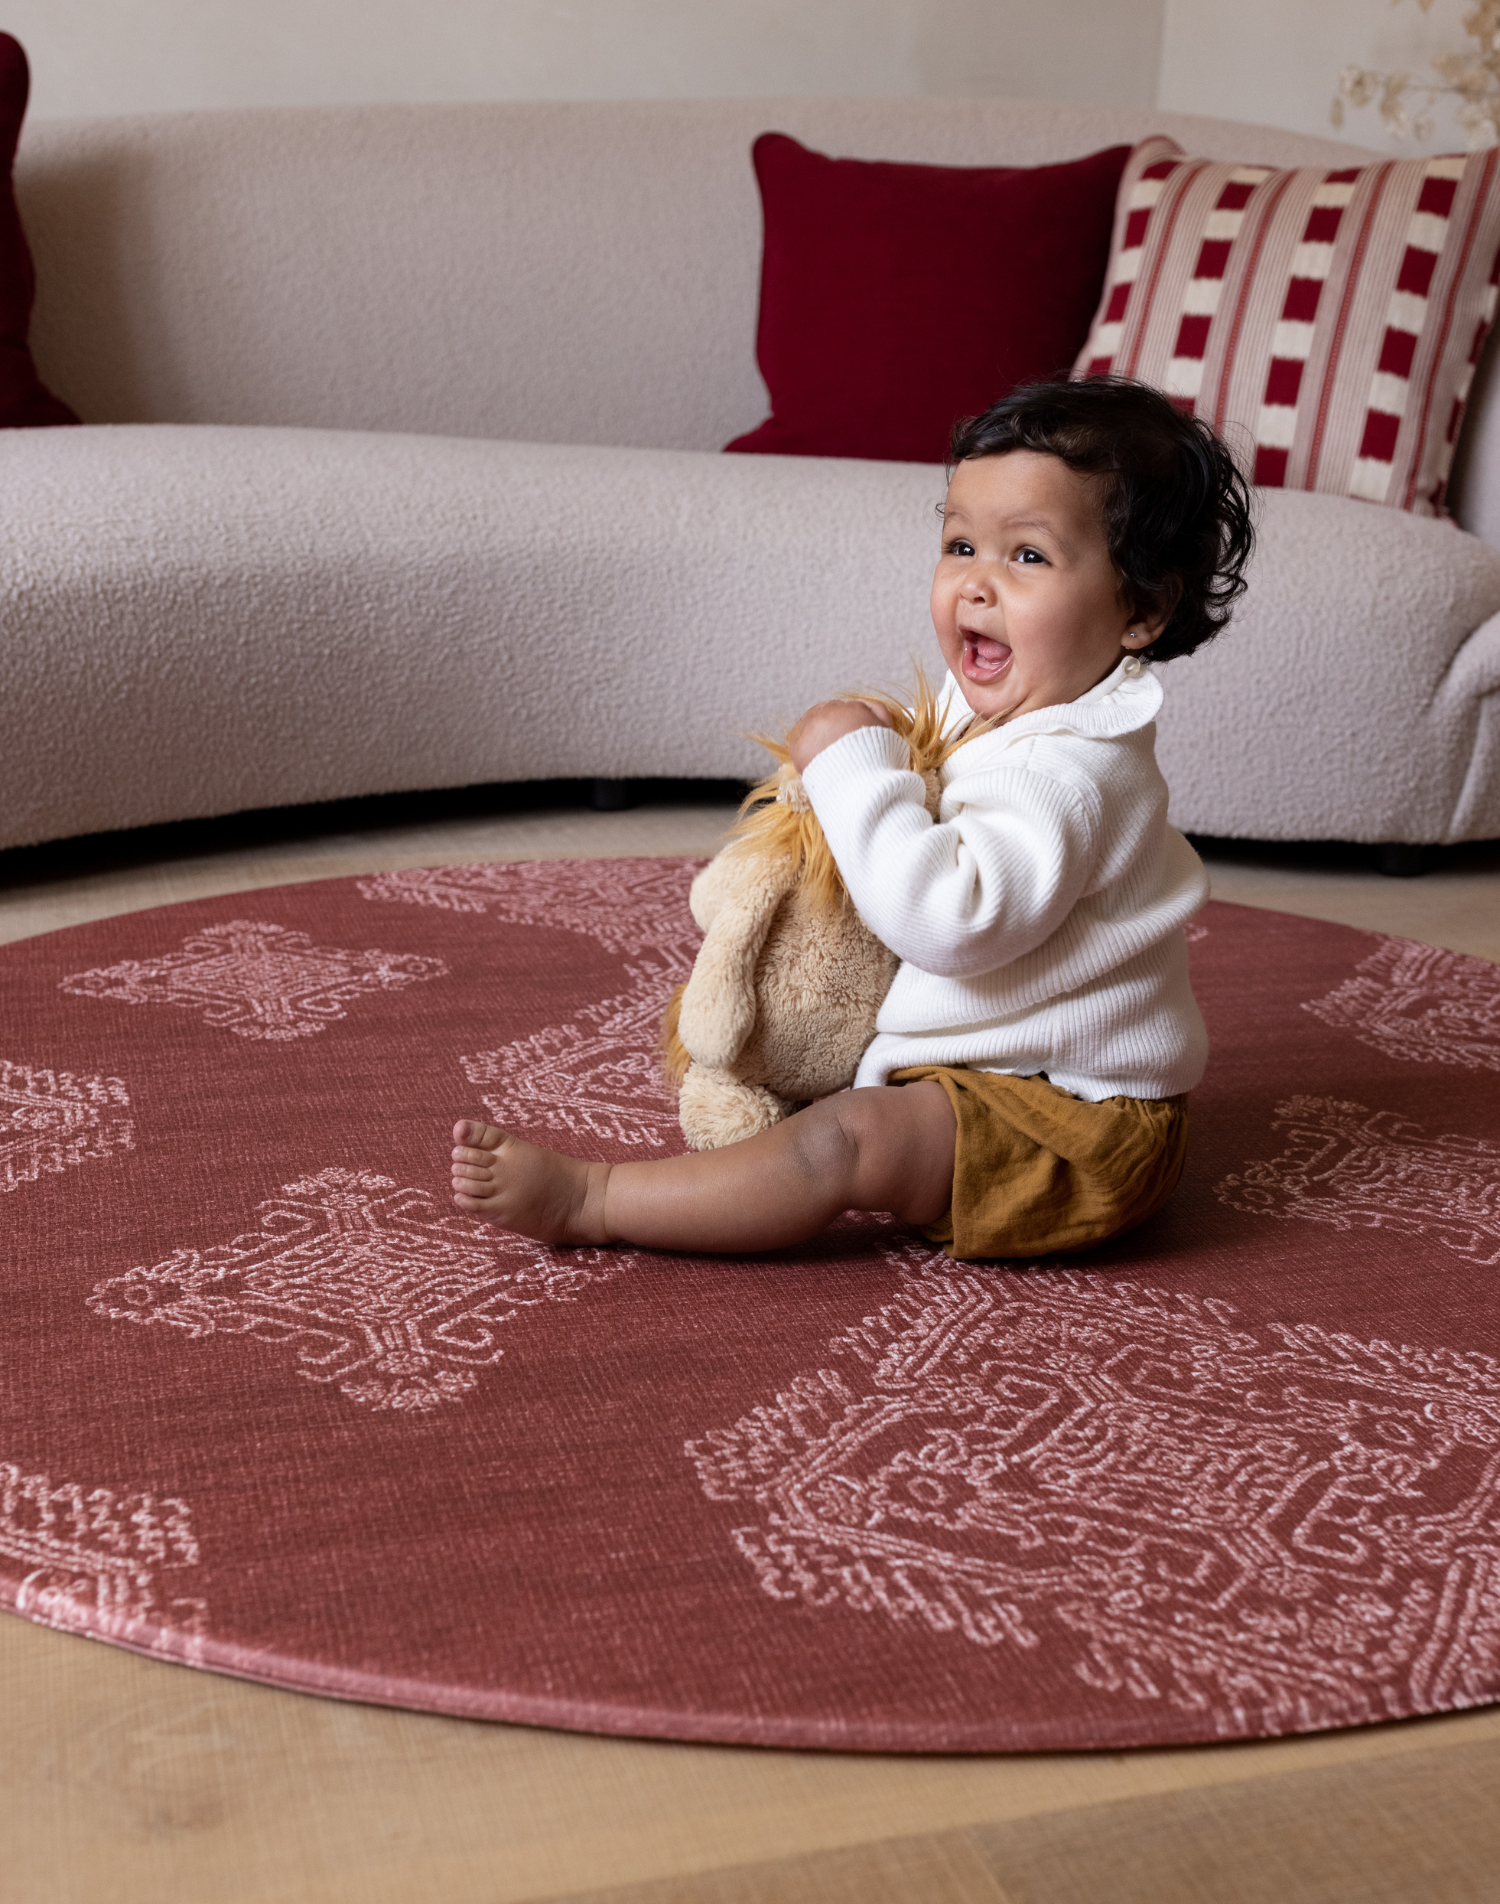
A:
(1037, 1171)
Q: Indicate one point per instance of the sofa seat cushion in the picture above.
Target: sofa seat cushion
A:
(201, 619)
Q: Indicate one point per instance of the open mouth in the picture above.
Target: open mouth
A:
(984, 660)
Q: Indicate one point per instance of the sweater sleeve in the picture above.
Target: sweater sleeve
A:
(959, 897)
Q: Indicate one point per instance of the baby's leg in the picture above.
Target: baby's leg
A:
(886, 1148)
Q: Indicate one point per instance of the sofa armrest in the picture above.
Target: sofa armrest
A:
(1474, 486)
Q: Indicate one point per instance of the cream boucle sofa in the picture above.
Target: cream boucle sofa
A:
(401, 472)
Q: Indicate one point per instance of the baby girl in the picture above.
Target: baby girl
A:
(1026, 1089)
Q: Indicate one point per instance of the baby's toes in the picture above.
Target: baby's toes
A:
(475, 1135)
(481, 1159)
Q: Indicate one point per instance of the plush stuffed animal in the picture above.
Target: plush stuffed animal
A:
(783, 994)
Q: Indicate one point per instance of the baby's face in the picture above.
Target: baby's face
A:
(1026, 601)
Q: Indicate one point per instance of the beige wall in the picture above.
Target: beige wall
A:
(1273, 61)
(107, 56)
(1277, 62)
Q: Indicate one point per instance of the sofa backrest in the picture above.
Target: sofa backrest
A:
(559, 273)
(554, 273)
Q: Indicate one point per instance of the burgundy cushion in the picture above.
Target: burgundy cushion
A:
(25, 400)
(895, 299)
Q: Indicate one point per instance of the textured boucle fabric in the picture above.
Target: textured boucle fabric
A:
(1356, 693)
(200, 620)
(575, 273)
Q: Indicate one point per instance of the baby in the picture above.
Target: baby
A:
(1025, 1092)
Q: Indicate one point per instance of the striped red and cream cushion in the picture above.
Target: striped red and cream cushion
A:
(1327, 322)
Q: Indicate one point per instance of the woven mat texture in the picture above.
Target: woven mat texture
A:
(272, 1406)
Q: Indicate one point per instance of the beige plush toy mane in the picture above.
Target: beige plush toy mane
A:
(783, 994)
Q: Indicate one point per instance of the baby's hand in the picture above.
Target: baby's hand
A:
(829, 721)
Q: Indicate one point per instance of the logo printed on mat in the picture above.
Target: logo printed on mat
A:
(1420, 1003)
(375, 1288)
(258, 980)
(628, 906)
(1274, 1529)
(1358, 1169)
(601, 1074)
(91, 1561)
(51, 1119)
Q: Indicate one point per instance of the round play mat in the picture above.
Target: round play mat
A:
(272, 1406)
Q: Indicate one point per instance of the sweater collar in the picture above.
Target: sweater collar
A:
(1119, 704)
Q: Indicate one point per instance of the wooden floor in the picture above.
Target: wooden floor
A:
(128, 1781)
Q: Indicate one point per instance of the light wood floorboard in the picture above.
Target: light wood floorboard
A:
(130, 1781)
(1376, 1834)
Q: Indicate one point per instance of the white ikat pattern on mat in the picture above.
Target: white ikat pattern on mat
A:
(628, 906)
(90, 1560)
(1272, 1529)
(1359, 1169)
(601, 1074)
(372, 1285)
(257, 980)
(51, 1119)
(1420, 1004)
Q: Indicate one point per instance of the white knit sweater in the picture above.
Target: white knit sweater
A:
(1039, 918)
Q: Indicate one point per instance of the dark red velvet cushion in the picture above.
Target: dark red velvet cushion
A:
(895, 299)
(25, 400)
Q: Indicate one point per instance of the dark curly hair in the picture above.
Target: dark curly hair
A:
(1176, 511)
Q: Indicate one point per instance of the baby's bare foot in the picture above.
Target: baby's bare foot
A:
(541, 1193)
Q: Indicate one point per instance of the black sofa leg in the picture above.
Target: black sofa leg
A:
(1397, 860)
(611, 796)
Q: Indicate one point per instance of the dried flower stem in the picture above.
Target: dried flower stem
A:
(1406, 104)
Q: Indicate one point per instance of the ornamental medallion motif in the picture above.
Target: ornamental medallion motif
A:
(50, 1120)
(1357, 1169)
(1420, 1004)
(1278, 1528)
(257, 980)
(95, 1561)
(369, 1285)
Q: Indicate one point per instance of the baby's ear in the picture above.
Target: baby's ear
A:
(1154, 612)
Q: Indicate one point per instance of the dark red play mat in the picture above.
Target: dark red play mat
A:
(272, 1406)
